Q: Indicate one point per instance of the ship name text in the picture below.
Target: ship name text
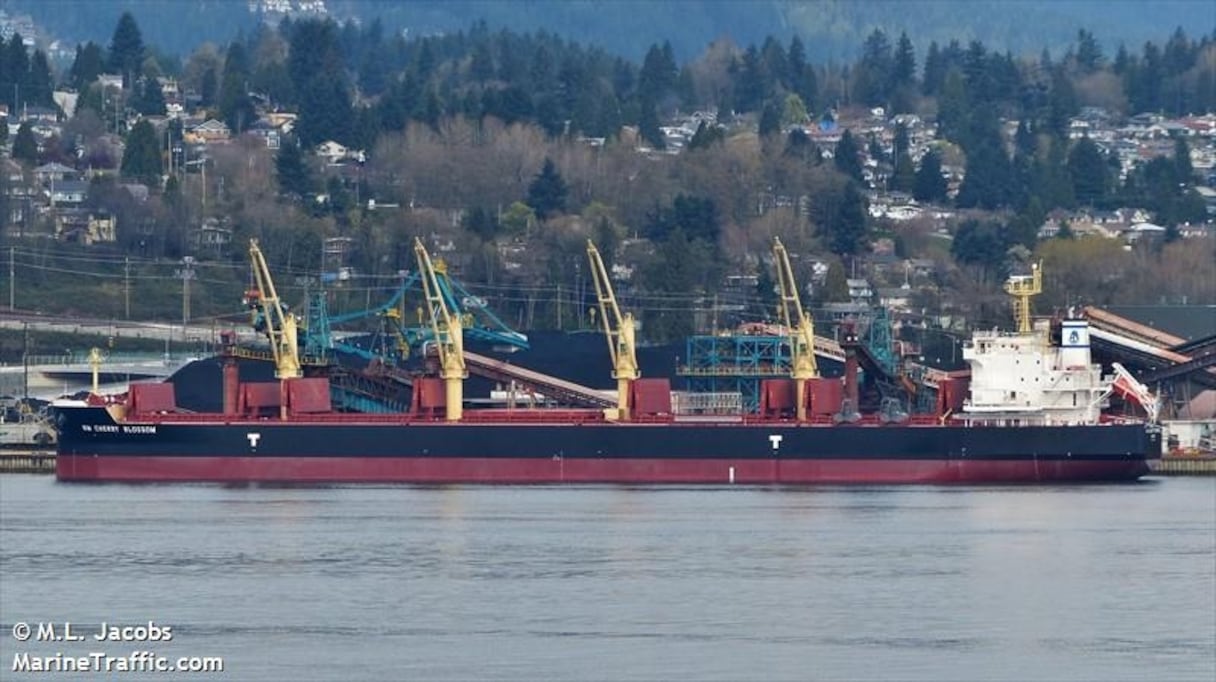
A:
(146, 429)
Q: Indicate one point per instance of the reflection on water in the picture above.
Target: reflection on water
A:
(363, 582)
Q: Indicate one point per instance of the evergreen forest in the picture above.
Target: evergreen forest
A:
(508, 150)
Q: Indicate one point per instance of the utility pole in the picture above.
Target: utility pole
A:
(25, 361)
(578, 292)
(12, 281)
(401, 275)
(126, 286)
(186, 273)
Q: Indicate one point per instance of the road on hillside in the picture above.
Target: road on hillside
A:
(176, 333)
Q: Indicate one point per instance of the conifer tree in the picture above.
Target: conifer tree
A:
(39, 83)
(903, 179)
(235, 106)
(141, 157)
(547, 193)
(1087, 171)
(147, 98)
(953, 108)
(935, 71)
(291, 168)
(14, 84)
(904, 70)
(1182, 161)
(648, 125)
(25, 147)
(89, 64)
(770, 120)
(847, 156)
(930, 185)
(842, 221)
(126, 49)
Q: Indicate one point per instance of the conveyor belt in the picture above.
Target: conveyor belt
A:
(563, 391)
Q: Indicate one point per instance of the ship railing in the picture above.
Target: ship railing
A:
(734, 370)
(865, 420)
(198, 417)
(561, 416)
(1119, 419)
(686, 403)
(545, 416)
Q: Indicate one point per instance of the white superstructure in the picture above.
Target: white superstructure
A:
(1022, 377)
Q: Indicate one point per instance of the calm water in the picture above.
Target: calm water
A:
(409, 583)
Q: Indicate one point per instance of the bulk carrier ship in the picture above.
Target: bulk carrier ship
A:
(1032, 413)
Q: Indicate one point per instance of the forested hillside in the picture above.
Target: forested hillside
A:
(831, 29)
(511, 149)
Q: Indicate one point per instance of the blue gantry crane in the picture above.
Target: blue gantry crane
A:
(394, 340)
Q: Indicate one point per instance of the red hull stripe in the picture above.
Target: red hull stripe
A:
(521, 470)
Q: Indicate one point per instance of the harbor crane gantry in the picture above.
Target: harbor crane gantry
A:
(448, 334)
(801, 332)
(1021, 288)
(276, 321)
(618, 329)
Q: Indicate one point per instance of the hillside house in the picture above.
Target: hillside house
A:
(265, 131)
(212, 234)
(83, 226)
(331, 151)
(860, 290)
(54, 172)
(110, 80)
(68, 193)
(210, 131)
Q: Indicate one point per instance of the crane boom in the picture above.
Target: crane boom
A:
(448, 334)
(801, 334)
(618, 330)
(280, 324)
(1129, 386)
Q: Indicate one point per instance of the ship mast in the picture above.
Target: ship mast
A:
(1021, 288)
(802, 336)
(448, 333)
(95, 360)
(618, 329)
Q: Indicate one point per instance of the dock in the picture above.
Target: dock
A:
(27, 461)
(1201, 465)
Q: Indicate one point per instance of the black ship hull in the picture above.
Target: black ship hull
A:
(552, 449)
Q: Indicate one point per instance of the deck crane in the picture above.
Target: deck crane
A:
(1021, 288)
(275, 321)
(448, 334)
(618, 329)
(802, 336)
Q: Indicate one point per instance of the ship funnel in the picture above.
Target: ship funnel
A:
(1074, 343)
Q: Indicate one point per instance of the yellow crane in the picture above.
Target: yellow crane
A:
(1021, 288)
(618, 329)
(448, 332)
(802, 334)
(280, 324)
